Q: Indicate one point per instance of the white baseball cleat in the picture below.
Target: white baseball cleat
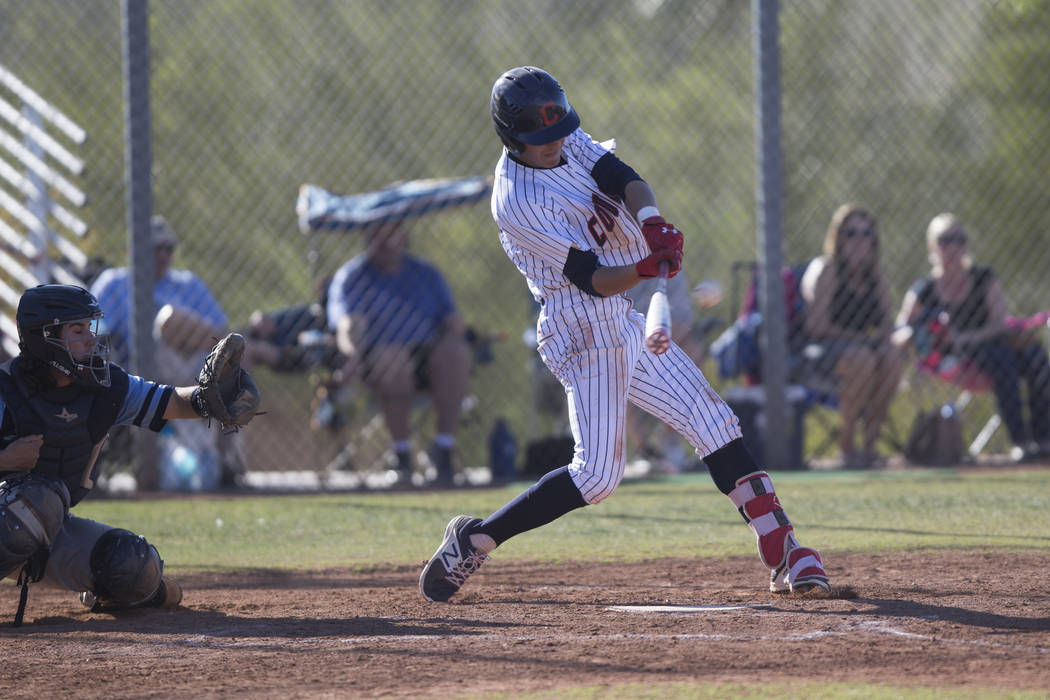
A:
(802, 573)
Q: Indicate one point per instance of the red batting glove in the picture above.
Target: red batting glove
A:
(650, 266)
(659, 234)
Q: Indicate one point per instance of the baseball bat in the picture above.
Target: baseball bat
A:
(658, 318)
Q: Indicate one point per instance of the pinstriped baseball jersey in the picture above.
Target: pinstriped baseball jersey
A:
(594, 345)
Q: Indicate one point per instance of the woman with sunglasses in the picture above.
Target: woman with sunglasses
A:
(849, 323)
(968, 301)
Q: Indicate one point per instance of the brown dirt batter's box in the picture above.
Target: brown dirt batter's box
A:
(943, 619)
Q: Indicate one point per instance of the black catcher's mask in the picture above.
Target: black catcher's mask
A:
(43, 311)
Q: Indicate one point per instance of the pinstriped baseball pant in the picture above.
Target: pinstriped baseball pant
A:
(601, 379)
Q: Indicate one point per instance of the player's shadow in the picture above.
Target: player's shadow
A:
(194, 627)
(895, 609)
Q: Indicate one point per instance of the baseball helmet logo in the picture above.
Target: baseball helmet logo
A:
(550, 113)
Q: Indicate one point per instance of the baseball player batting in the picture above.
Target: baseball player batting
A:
(582, 227)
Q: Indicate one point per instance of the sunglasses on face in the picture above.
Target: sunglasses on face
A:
(951, 239)
(858, 232)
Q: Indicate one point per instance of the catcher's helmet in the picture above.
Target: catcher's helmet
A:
(42, 310)
(530, 107)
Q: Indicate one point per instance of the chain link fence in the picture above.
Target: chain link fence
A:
(910, 109)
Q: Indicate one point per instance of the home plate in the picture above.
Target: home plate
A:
(685, 608)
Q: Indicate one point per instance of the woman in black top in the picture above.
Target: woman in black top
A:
(848, 320)
(968, 300)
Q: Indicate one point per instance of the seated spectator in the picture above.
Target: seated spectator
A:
(188, 317)
(187, 321)
(396, 323)
(967, 301)
(295, 338)
(849, 324)
(737, 351)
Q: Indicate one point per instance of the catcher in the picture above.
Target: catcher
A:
(58, 400)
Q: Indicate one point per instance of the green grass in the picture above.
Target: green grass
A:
(679, 516)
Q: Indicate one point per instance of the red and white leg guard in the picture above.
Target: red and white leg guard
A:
(792, 566)
(756, 500)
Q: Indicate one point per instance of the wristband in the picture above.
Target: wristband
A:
(647, 212)
(198, 404)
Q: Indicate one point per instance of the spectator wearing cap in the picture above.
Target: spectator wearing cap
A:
(188, 316)
(187, 320)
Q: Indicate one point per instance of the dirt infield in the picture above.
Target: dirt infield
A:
(977, 620)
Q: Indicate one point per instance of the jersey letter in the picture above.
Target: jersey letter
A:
(605, 215)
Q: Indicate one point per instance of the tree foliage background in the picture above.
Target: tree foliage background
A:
(909, 108)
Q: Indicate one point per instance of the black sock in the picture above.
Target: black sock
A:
(729, 463)
(548, 499)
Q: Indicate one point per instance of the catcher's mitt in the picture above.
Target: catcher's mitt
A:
(224, 391)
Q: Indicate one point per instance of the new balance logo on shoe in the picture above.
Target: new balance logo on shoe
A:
(453, 562)
(450, 557)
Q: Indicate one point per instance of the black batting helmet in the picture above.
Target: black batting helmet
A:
(42, 310)
(530, 107)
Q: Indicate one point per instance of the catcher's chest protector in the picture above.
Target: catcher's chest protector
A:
(72, 420)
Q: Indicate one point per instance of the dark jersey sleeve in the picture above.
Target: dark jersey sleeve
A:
(612, 176)
(580, 267)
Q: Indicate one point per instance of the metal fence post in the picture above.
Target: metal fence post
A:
(769, 193)
(139, 199)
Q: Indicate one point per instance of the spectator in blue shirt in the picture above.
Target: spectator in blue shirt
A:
(188, 315)
(396, 322)
(187, 321)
